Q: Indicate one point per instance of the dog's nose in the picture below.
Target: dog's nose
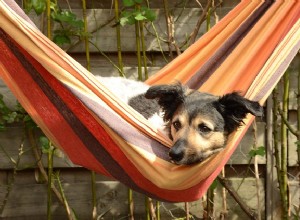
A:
(177, 151)
(176, 156)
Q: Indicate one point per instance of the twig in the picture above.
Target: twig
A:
(43, 171)
(94, 197)
(65, 201)
(298, 125)
(12, 179)
(224, 212)
(201, 19)
(250, 213)
(105, 56)
(169, 27)
(256, 171)
(286, 122)
(283, 173)
(50, 182)
(187, 210)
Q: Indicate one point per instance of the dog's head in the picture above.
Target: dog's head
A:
(199, 123)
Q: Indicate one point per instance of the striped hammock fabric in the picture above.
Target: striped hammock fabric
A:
(246, 51)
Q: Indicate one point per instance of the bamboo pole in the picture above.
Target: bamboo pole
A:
(118, 33)
(284, 133)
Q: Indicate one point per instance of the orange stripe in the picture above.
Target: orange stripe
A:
(242, 66)
(184, 66)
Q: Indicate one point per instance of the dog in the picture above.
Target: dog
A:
(197, 123)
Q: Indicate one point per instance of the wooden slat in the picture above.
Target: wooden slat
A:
(104, 34)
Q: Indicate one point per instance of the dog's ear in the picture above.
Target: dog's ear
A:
(234, 109)
(169, 97)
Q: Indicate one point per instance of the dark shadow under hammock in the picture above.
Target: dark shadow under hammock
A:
(247, 51)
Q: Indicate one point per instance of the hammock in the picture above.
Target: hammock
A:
(246, 51)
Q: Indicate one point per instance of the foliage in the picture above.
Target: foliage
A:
(69, 24)
(260, 151)
(137, 14)
(9, 116)
(39, 6)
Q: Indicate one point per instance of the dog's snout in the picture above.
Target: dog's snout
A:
(177, 151)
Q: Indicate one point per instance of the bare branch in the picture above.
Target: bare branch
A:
(237, 198)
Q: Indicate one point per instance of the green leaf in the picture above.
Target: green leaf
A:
(39, 6)
(214, 185)
(140, 17)
(128, 3)
(260, 151)
(45, 144)
(298, 144)
(67, 17)
(27, 6)
(29, 123)
(127, 18)
(138, 1)
(149, 14)
(61, 39)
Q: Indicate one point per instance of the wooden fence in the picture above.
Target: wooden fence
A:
(23, 190)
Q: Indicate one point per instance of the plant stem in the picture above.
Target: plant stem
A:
(130, 205)
(276, 133)
(118, 32)
(48, 19)
(147, 208)
(11, 179)
(50, 182)
(201, 19)
(187, 210)
(210, 203)
(86, 39)
(223, 214)
(169, 27)
(237, 198)
(106, 57)
(61, 190)
(283, 173)
(208, 18)
(157, 210)
(256, 171)
(37, 155)
(143, 49)
(298, 122)
(94, 197)
(138, 46)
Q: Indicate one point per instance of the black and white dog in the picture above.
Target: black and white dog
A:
(197, 123)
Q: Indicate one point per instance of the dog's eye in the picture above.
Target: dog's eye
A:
(204, 129)
(177, 125)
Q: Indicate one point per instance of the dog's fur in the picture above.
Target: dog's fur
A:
(197, 123)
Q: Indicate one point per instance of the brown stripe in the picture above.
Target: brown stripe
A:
(278, 73)
(203, 74)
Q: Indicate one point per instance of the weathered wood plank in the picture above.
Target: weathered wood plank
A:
(107, 4)
(100, 24)
(29, 199)
(15, 147)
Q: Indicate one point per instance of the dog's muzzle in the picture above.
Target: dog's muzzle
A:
(177, 152)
